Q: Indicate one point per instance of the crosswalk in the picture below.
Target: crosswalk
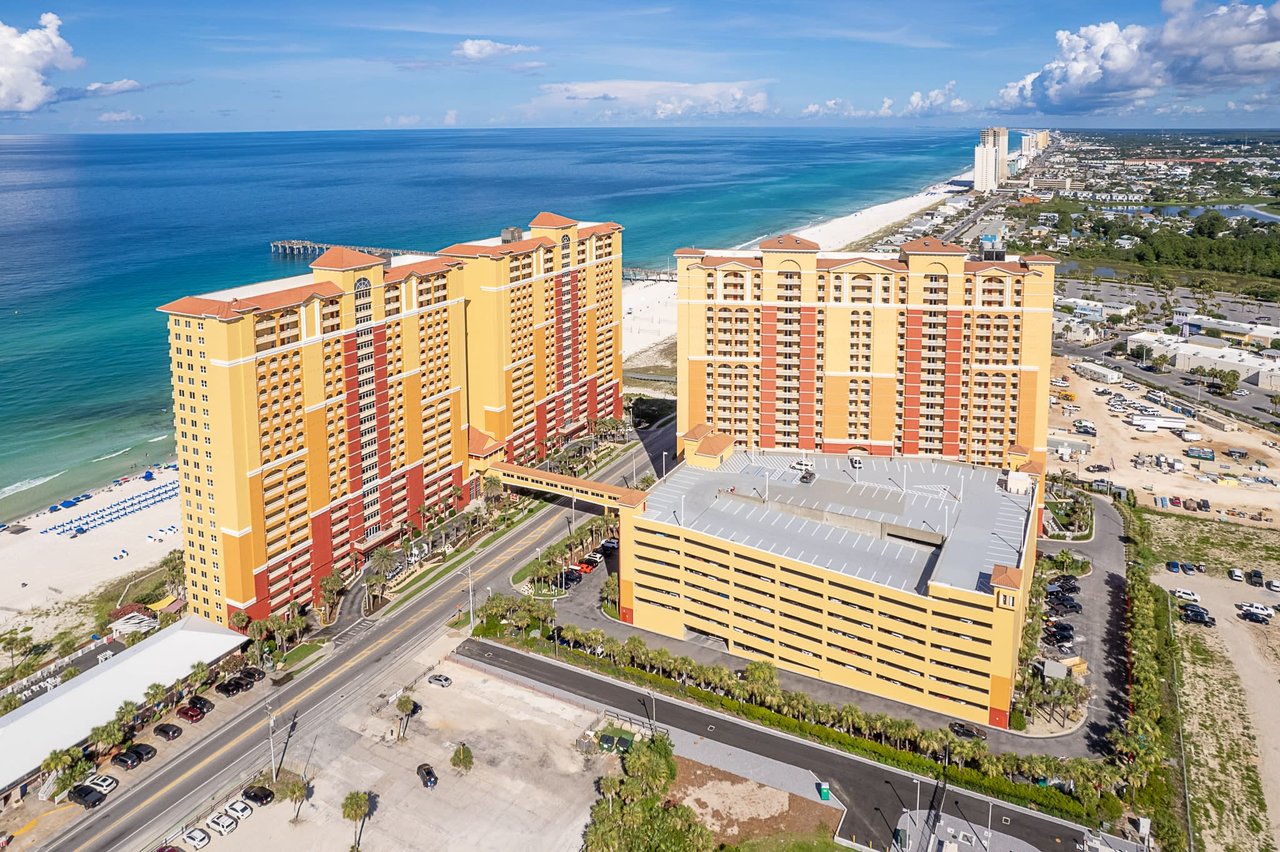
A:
(354, 632)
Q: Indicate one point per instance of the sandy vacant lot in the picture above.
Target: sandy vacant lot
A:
(1117, 443)
(1224, 740)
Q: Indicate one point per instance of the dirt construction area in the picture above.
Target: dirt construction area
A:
(1233, 745)
(1228, 485)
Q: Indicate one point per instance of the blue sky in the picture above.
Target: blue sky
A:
(135, 65)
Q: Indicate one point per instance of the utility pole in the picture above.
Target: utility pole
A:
(664, 464)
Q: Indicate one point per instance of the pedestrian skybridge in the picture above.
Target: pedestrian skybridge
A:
(597, 493)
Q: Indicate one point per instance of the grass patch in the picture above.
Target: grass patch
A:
(300, 653)
(816, 842)
(1218, 544)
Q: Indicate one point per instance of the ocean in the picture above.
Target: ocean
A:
(100, 229)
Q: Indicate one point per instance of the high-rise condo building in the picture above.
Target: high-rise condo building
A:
(986, 171)
(924, 353)
(317, 415)
(998, 138)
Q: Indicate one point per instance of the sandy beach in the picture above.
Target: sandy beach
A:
(648, 307)
(43, 569)
(835, 234)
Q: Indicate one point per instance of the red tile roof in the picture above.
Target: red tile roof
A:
(228, 309)
(551, 220)
(1039, 258)
(1032, 467)
(931, 245)
(714, 444)
(1018, 450)
(1006, 577)
(689, 252)
(422, 267)
(496, 251)
(339, 258)
(789, 242)
(697, 433)
(753, 262)
(602, 228)
(480, 443)
(842, 262)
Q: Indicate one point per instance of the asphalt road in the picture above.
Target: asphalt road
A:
(139, 814)
(874, 795)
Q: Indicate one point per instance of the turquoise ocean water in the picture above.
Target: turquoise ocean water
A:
(98, 230)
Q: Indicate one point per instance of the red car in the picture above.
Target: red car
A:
(191, 714)
(586, 567)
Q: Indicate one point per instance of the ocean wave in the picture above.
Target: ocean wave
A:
(25, 484)
(161, 438)
(113, 455)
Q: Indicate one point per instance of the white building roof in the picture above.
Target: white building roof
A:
(63, 717)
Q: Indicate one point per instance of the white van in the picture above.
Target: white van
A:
(802, 464)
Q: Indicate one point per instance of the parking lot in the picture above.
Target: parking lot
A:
(531, 788)
(37, 819)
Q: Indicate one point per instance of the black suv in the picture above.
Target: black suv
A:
(1063, 607)
(142, 750)
(967, 732)
(228, 688)
(201, 703)
(252, 673)
(808, 476)
(85, 796)
(427, 775)
(126, 760)
(167, 731)
(258, 795)
(1194, 616)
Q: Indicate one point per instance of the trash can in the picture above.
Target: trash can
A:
(824, 791)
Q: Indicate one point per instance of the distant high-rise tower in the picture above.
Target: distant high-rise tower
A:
(998, 138)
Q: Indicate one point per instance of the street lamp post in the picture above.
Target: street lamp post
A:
(271, 741)
(664, 464)
(915, 813)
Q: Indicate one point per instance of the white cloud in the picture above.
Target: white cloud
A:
(476, 49)
(845, 109)
(450, 118)
(119, 87)
(935, 102)
(1108, 67)
(528, 67)
(123, 115)
(402, 120)
(26, 60)
(623, 100)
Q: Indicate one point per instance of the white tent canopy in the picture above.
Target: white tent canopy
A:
(64, 716)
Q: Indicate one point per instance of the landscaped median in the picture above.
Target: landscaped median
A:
(755, 696)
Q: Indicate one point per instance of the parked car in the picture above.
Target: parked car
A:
(1204, 505)
(594, 557)
(1198, 617)
(201, 703)
(1236, 574)
(1186, 595)
(967, 732)
(228, 688)
(586, 567)
(222, 823)
(86, 797)
(427, 775)
(440, 680)
(144, 751)
(1260, 609)
(196, 838)
(1190, 607)
(238, 810)
(126, 760)
(167, 732)
(1273, 585)
(807, 477)
(190, 714)
(245, 683)
(609, 544)
(1175, 502)
(104, 784)
(1255, 617)
(1188, 568)
(1173, 567)
(1066, 608)
(258, 795)
(1098, 468)
(1255, 577)
(253, 673)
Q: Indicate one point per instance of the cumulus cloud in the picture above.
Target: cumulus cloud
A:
(477, 49)
(122, 115)
(844, 109)
(935, 102)
(652, 99)
(1108, 67)
(402, 120)
(450, 118)
(26, 60)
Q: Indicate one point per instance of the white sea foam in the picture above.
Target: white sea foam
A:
(25, 484)
(161, 438)
(113, 455)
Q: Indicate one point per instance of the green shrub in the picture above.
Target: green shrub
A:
(1017, 721)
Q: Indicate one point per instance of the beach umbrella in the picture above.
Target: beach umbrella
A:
(67, 504)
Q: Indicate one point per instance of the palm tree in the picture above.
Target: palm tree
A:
(156, 694)
(239, 619)
(612, 649)
(491, 488)
(405, 706)
(572, 635)
(381, 561)
(355, 807)
(594, 640)
(107, 736)
(294, 790)
(199, 673)
(60, 760)
(258, 631)
(634, 650)
(126, 713)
